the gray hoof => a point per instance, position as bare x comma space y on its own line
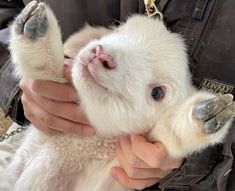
32, 21
215, 113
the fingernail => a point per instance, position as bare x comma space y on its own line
67, 63
88, 131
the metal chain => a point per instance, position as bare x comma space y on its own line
151, 9
8, 135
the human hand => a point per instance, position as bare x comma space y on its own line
142, 163
51, 106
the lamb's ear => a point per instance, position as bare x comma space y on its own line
81, 38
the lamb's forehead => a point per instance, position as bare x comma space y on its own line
150, 38
143, 25
153, 48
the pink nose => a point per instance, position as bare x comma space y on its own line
105, 59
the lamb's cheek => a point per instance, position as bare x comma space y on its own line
78, 71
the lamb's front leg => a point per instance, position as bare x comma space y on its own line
35, 43
202, 120
37, 51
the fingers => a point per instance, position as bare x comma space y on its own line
48, 122
66, 110
126, 146
142, 163
49, 89
53, 90
50, 114
152, 154
134, 172
29, 103
120, 175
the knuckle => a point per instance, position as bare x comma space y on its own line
76, 114
71, 94
36, 86
50, 104
23, 100
48, 120
27, 111
23, 84
72, 129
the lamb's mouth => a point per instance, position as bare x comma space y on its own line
89, 75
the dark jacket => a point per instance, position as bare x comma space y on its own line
208, 27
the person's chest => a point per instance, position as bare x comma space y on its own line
208, 27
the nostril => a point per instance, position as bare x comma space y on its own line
93, 50
99, 50
105, 64
105, 58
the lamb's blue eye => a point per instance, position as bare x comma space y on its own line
157, 93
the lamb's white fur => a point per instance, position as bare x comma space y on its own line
117, 103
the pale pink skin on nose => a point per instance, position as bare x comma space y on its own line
104, 58
95, 62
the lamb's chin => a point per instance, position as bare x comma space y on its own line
108, 123
92, 98
117, 131
82, 75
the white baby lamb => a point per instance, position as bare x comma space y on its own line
132, 79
